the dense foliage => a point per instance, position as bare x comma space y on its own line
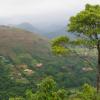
15, 81
86, 25
47, 90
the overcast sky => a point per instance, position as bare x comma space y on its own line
40, 11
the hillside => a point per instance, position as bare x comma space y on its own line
14, 41
26, 58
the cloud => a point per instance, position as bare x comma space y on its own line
40, 11
23, 7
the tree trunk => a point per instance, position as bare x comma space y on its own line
98, 68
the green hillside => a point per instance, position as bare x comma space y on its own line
26, 58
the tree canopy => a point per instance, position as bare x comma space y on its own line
86, 25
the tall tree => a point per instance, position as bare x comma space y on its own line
85, 24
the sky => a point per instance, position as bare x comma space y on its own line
46, 12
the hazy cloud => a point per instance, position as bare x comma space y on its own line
23, 7
40, 10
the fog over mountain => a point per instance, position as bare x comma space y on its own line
46, 16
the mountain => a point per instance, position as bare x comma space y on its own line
20, 53
59, 32
14, 40
50, 31
28, 27
26, 58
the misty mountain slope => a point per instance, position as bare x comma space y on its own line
51, 31
59, 32
28, 27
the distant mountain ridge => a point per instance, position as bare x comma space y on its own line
27, 26
50, 31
